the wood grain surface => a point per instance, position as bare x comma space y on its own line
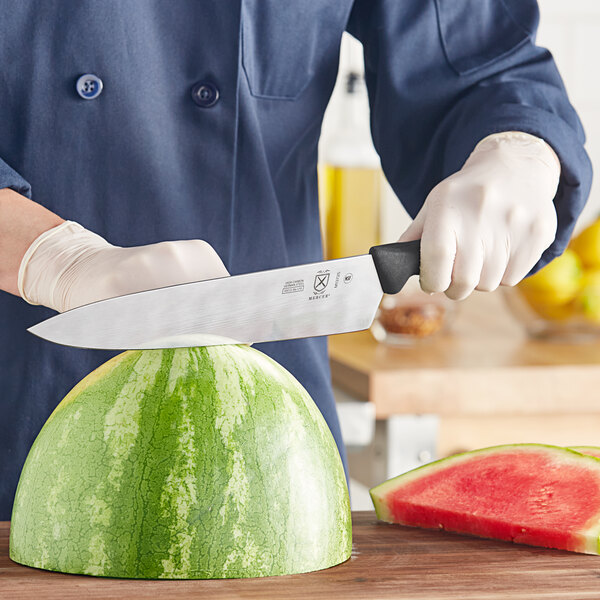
388, 561
485, 366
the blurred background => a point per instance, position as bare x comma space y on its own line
433, 377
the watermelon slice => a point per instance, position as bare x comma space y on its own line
589, 450
525, 493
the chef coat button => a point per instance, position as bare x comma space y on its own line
205, 94
89, 86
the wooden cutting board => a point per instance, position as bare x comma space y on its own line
388, 561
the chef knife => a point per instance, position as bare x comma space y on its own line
323, 298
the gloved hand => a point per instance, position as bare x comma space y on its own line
69, 266
488, 224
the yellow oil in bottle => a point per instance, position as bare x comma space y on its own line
350, 209
350, 177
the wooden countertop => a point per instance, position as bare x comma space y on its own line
485, 366
388, 561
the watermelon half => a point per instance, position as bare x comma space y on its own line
189, 463
525, 493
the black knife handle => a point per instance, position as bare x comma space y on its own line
395, 263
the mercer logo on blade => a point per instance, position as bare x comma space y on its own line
321, 281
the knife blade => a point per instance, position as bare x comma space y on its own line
328, 297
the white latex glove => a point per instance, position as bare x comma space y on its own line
69, 266
488, 224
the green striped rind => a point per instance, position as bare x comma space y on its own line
379, 494
189, 463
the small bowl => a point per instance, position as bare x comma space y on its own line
411, 315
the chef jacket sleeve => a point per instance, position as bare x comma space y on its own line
9, 178
443, 74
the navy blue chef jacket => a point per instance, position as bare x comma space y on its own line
147, 161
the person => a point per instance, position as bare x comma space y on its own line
148, 143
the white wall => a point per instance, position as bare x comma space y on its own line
570, 29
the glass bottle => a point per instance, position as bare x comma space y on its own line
350, 178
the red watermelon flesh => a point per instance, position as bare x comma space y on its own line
526, 493
589, 450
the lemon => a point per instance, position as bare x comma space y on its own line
556, 284
588, 298
587, 245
